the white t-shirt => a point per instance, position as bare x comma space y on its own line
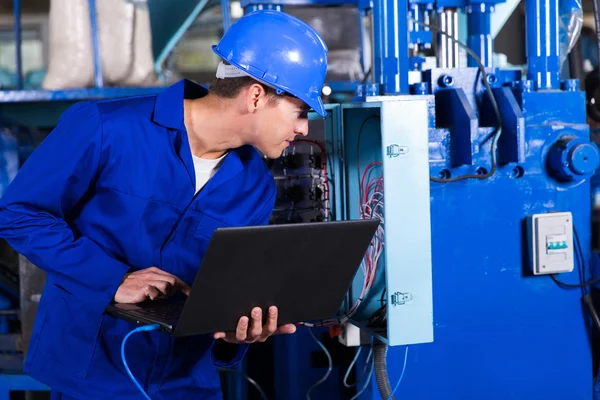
205, 169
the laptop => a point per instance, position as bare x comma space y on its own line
304, 269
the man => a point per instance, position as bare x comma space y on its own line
120, 200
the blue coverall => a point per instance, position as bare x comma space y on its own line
110, 191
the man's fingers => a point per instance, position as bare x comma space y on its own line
241, 331
184, 287
271, 326
251, 330
173, 281
287, 329
151, 292
156, 270
256, 328
156, 274
163, 286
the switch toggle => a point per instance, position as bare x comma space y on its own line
550, 238
556, 244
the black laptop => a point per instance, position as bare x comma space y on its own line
304, 269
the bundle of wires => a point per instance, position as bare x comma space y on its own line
370, 207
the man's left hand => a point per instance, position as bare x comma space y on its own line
255, 331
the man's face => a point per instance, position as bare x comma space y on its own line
277, 125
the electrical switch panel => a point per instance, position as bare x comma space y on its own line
551, 243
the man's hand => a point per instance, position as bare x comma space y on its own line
150, 283
255, 332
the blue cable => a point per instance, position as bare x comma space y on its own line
329, 369
350, 369
401, 375
140, 329
367, 381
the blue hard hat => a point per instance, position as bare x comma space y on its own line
280, 51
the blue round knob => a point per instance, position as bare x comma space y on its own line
573, 159
584, 158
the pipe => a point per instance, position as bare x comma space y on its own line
19, 58
380, 350
226, 14
390, 21
415, 14
158, 63
377, 26
95, 45
480, 36
447, 49
366, 61
542, 35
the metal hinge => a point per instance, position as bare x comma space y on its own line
395, 150
400, 298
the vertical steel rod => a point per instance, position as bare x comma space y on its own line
391, 48
480, 37
541, 18
98, 81
18, 43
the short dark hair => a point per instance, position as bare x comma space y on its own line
229, 88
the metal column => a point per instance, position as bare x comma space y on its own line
480, 37
447, 49
390, 21
542, 43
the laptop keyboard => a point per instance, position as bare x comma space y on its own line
161, 312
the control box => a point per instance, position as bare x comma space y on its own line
550, 238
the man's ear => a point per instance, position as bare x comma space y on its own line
256, 97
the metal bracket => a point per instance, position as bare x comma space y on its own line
400, 298
395, 150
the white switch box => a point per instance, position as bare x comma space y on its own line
551, 242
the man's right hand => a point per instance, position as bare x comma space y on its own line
150, 283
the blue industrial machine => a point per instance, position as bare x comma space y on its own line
472, 287
481, 177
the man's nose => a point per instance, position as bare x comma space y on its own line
302, 127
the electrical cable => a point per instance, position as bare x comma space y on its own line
494, 146
580, 259
573, 285
367, 381
401, 374
136, 330
587, 300
364, 371
582, 263
347, 374
586, 296
252, 381
324, 378
360, 130
371, 204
